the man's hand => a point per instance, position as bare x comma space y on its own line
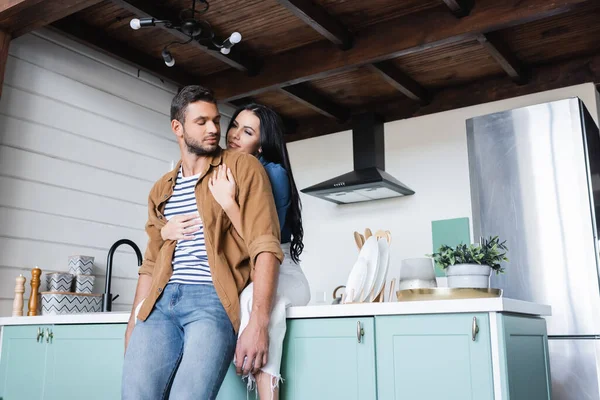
128, 331
181, 227
252, 350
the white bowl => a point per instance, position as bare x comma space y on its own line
417, 268
416, 284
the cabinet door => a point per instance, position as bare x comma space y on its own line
524, 358
85, 362
324, 359
22, 363
434, 357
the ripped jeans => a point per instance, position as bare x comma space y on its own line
292, 291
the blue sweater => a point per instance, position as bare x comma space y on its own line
282, 195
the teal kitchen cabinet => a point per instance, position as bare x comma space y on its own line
84, 361
65, 362
329, 358
478, 356
22, 363
523, 358
434, 357
234, 387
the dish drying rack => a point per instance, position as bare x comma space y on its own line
360, 240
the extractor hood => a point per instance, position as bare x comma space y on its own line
368, 181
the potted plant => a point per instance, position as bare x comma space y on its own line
470, 266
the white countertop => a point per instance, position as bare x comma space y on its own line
500, 304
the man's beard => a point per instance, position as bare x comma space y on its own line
194, 147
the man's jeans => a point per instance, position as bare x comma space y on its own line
182, 350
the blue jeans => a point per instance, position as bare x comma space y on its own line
182, 350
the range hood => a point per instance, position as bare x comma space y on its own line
368, 181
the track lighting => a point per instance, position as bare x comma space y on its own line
195, 29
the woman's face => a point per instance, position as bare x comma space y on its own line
244, 134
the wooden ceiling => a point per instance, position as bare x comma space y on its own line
319, 62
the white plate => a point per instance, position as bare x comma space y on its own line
382, 269
356, 281
370, 254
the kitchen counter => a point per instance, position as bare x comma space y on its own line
379, 349
501, 304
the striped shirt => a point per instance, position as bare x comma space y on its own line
190, 260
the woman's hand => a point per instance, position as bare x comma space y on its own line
222, 186
181, 227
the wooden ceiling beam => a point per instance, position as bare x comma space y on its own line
307, 96
543, 78
146, 9
317, 18
402, 82
18, 17
401, 36
96, 38
459, 8
12, 7
4, 45
504, 57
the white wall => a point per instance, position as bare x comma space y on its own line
429, 154
82, 139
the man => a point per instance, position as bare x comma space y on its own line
196, 265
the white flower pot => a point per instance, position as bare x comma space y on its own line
468, 276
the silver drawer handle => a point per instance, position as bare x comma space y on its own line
40, 334
49, 335
359, 331
474, 329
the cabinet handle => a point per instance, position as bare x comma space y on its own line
359, 331
474, 329
40, 334
49, 335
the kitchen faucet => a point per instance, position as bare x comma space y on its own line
107, 298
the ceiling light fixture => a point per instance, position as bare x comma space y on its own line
196, 29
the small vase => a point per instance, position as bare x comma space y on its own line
468, 276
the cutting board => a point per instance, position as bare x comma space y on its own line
450, 232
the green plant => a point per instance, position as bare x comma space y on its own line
490, 252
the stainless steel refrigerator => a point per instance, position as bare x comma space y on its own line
535, 182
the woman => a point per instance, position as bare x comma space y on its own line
258, 130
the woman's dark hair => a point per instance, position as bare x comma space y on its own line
273, 149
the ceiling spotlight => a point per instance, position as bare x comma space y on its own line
135, 24
169, 60
235, 37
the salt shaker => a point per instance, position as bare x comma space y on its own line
18, 302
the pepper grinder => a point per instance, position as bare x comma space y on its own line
35, 284
18, 302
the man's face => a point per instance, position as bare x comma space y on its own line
201, 130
